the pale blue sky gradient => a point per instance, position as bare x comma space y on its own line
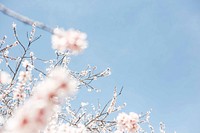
152, 46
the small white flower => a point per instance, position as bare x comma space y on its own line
84, 104
5, 53
27, 64
18, 95
84, 73
31, 54
14, 25
15, 43
24, 76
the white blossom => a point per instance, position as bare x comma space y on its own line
84, 104
72, 40
14, 25
19, 95
5, 78
24, 76
26, 64
127, 122
106, 72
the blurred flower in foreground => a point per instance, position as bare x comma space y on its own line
4, 77
34, 114
66, 128
72, 40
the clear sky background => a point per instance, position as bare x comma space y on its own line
152, 46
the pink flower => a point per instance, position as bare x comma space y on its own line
34, 114
127, 122
59, 83
72, 40
29, 118
19, 95
24, 76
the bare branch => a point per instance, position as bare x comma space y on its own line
5, 10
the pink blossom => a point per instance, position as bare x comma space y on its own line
29, 118
127, 122
24, 76
19, 95
72, 40
34, 114
58, 83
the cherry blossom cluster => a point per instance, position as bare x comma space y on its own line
127, 122
72, 40
23, 78
66, 128
34, 114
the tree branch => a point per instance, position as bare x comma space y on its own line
24, 19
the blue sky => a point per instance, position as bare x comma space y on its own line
152, 47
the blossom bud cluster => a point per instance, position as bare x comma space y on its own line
106, 72
32, 32
23, 78
113, 102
